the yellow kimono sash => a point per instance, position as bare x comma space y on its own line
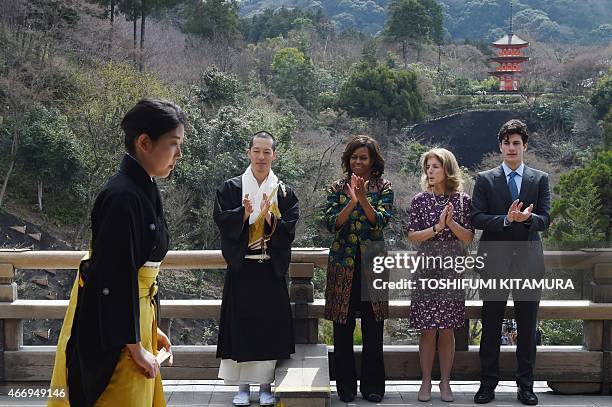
257, 236
128, 386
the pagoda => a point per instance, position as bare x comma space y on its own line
509, 57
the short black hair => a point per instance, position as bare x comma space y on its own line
263, 134
153, 117
513, 126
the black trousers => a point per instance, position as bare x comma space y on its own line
372, 379
526, 315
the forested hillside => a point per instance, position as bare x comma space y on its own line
586, 21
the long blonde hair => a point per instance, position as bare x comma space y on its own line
454, 180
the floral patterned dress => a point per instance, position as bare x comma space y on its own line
349, 241
439, 309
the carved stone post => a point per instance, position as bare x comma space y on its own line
462, 337
11, 337
13, 328
301, 294
165, 325
602, 293
596, 337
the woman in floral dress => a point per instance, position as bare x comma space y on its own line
439, 226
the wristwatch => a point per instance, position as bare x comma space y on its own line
434, 230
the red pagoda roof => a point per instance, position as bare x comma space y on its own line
511, 39
506, 72
504, 59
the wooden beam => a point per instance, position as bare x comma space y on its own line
553, 363
210, 309
579, 309
56, 309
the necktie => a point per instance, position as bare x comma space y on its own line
512, 185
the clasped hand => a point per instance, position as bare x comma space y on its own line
248, 205
446, 217
357, 189
516, 214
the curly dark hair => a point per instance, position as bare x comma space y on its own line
513, 126
378, 163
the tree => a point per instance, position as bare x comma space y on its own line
129, 8
294, 76
411, 153
607, 130
134, 9
10, 138
601, 99
150, 7
213, 18
145, 5
112, 8
104, 94
437, 34
578, 216
556, 114
368, 53
414, 22
561, 333
381, 93
110, 14
30, 32
216, 88
538, 24
40, 22
49, 152
584, 208
602, 34
276, 23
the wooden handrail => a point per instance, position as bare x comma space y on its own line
212, 259
175, 259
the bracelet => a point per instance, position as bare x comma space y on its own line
434, 229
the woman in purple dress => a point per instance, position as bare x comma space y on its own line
439, 226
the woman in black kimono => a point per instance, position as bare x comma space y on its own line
256, 215
109, 338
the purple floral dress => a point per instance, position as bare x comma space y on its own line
440, 309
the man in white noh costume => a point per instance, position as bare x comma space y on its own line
256, 214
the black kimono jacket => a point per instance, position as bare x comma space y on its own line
128, 229
255, 297
229, 217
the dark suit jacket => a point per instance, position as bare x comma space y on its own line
518, 242
228, 215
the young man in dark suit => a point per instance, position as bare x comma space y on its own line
511, 204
